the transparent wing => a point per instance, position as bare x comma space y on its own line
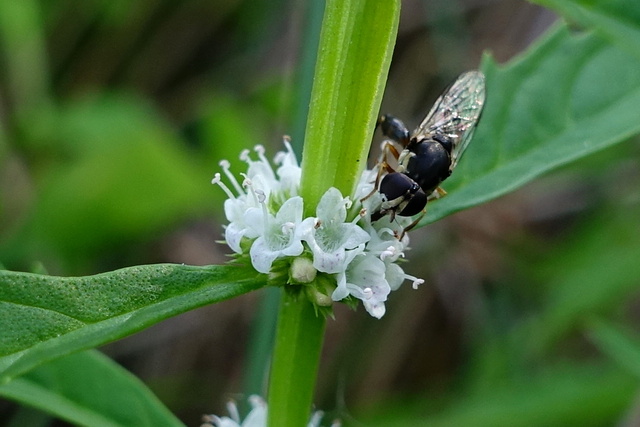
456, 113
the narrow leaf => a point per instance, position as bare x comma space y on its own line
90, 389
619, 344
45, 317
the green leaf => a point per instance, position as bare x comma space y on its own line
618, 20
595, 273
620, 344
559, 396
90, 389
356, 44
117, 174
45, 317
567, 97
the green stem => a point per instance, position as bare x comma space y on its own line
356, 44
296, 356
354, 54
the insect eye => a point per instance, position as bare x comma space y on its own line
416, 204
395, 185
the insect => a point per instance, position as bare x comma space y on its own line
430, 152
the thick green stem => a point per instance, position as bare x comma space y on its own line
354, 54
356, 44
295, 361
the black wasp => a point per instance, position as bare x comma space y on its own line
430, 152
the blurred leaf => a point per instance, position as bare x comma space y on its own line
618, 20
27, 416
313, 12
595, 272
45, 317
618, 343
567, 97
260, 345
90, 389
228, 127
24, 48
115, 173
571, 395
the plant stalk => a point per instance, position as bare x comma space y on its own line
296, 355
354, 55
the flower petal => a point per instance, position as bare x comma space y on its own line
290, 211
394, 275
354, 236
262, 256
331, 208
375, 308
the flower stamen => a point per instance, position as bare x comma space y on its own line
232, 409
416, 281
259, 149
281, 156
244, 156
389, 252
225, 165
217, 180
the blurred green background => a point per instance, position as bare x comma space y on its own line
114, 115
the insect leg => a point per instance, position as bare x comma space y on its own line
388, 147
437, 193
413, 224
383, 166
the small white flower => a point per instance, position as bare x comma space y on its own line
259, 183
266, 213
366, 280
385, 244
384, 240
332, 241
260, 172
278, 235
256, 418
289, 172
235, 207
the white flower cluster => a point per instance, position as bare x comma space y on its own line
256, 418
266, 211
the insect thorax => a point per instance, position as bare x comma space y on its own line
428, 165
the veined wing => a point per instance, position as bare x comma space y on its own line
456, 113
